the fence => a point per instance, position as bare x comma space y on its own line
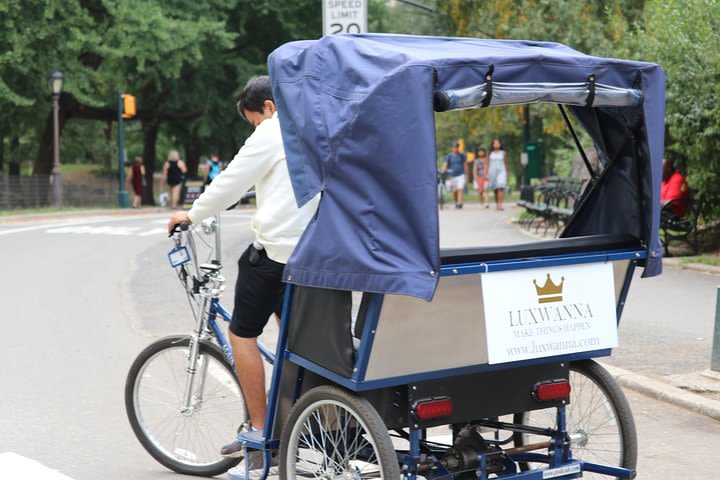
18, 192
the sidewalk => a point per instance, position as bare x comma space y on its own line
698, 391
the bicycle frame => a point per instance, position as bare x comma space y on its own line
206, 325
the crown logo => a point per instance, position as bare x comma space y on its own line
549, 292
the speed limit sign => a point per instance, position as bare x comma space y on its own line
344, 16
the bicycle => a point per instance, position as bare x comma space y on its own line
182, 421
442, 187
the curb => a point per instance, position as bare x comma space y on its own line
663, 391
38, 217
697, 267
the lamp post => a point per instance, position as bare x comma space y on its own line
55, 80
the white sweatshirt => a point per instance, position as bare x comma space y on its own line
278, 223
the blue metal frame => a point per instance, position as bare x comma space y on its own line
550, 261
366, 338
216, 309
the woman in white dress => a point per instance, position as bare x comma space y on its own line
497, 172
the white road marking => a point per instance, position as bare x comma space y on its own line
14, 466
103, 230
67, 223
152, 231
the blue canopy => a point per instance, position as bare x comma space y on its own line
357, 118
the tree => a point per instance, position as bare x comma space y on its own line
185, 61
595, 27
683, 36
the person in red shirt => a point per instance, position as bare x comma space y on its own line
674, 187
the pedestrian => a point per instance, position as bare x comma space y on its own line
674, 193
174, 170
278, 224
455, 164
213, 167
497, 172
480, 168
136, 178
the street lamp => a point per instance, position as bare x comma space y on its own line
55, 81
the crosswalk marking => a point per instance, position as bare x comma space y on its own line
14, 466
102, 230
153, 231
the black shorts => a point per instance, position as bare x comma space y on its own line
258, 293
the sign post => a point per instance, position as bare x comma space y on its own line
344, 16
122, 196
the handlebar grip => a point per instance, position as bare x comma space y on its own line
182, 226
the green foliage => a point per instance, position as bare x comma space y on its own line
185, 61
683, 36
596, 27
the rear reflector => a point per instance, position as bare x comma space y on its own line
436, 408
552, 390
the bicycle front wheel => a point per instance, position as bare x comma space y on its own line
185, 439
598, 415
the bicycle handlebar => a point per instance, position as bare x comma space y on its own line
180, 227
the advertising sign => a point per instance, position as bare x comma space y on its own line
344, 16
543, 312
192, 189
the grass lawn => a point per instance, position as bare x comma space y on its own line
709, 259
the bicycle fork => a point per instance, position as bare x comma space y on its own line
190, 402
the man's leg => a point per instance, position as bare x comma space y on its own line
251, 373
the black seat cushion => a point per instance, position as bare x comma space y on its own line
558, 246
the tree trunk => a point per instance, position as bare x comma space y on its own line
107, 157
150, 133
192, 157
69, 107
44, 159
2, 152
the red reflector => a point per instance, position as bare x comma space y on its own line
552, 391
426, 410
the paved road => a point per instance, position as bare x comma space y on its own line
82, 298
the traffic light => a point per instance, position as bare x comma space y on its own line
128, 105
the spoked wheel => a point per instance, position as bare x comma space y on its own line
333, 434
185, 440
598, 417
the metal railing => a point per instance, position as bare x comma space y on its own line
23, 192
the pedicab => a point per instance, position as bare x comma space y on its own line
397, 358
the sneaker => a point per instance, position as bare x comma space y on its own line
233, 450
254, 462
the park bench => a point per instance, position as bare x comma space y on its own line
549, 204
685, 228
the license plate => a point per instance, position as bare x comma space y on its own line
178, 256
561, 471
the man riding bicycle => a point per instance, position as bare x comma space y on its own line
278, 224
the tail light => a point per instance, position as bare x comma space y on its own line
553, 390
433, 408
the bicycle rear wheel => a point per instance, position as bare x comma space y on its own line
186, 441
598, 413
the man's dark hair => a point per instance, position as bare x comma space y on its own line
253, 96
